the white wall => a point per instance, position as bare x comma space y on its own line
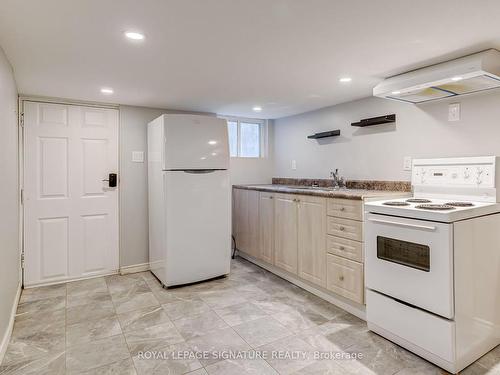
133, 181
9, 219
377, 152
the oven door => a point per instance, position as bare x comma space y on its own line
411, 260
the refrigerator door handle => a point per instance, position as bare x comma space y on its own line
200, 171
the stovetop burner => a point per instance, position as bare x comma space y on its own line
396, 203
418, 200
460, 204
435, 207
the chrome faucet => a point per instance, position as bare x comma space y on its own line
338, 181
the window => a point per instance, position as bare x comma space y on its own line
246, 137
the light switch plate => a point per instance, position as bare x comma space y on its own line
294, 164
407, 163
454, 112
138, 156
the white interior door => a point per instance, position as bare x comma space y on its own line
71, 214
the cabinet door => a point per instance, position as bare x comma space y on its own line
240, 218
266, 227
252, 232
312, 239
345, 277
285, 232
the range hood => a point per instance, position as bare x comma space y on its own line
469, 74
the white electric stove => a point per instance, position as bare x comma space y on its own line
433, 262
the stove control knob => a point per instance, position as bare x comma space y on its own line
454, 175
479, 176
466, 173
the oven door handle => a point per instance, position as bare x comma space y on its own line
425, 227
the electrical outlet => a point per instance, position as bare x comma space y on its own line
294, 164
407, 163
454, 112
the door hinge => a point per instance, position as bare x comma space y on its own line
21, 120
22, 259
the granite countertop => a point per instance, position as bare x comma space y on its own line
359, 194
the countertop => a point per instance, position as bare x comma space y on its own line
357, 194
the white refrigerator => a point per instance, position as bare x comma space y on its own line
189, 198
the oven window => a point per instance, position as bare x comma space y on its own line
405, 253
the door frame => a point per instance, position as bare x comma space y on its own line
21, 168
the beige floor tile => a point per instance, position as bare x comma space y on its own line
183, 309
91, 330
88, 356
261, 331
142, 318
241, 313
199, 325
213, 346
172, 363
288, 355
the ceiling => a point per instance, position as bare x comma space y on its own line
226, 56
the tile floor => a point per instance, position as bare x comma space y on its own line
130, 325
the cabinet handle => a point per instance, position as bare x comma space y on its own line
341, 278
342, 208
342, 228
342, 248
271, 197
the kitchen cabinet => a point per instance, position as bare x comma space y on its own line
246, 221
240, 217
345, 277
285, 232
311, 232
318, 239
266, 227
345, 228
252, 234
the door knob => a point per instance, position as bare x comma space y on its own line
112, 180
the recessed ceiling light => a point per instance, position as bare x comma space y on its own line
214, 154
107, 91
134, 36
345, 79
456, 78
212, 142
396, 92
257, 108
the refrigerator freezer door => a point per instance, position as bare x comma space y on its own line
195, 142
198, 225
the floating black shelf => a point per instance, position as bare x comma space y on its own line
375, 120
331, 133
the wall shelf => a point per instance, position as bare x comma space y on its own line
375, 120
331, 133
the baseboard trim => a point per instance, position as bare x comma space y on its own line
338, 301
142, 267
10, 326
68, 280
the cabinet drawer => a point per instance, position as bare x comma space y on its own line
345, 228
345, 208
345, 248
381, 310
345, 277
